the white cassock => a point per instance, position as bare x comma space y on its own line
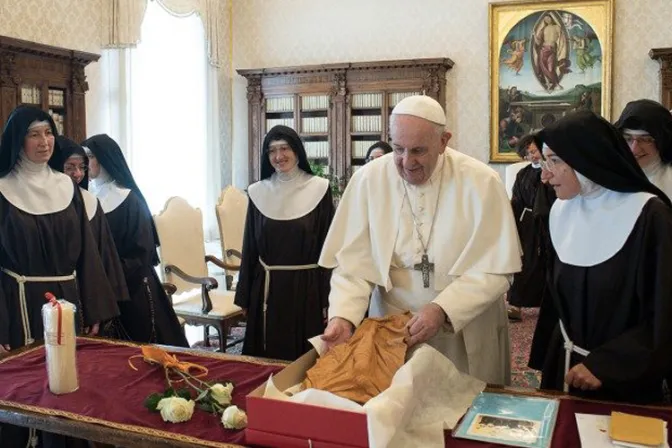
373, 245
660, 175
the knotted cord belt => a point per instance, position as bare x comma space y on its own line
22, 280
569, 348
267, 281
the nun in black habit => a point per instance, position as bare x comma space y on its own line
46, 241
612, 233
149, 316
531, 201
69, 158
280, 286
647, 127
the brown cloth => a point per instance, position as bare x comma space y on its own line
364, 366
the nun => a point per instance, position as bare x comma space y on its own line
71, 159
647, 127
46, 245
611, 231
531, 200
280, 286
149, 316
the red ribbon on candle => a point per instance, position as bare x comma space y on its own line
54, 302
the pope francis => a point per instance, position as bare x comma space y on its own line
430, 230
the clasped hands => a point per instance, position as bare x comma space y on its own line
422, 327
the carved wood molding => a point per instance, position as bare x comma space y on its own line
27, 47
664, 56
254, 94
349, 66
7, 74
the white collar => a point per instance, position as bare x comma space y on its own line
660, 175
37, 189
107, 191
90, 203
591, 228
288, 196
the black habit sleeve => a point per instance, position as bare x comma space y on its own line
4, 319
138, 246
249, 260
98, 300
326, 216
109, 255
517, 202
643, 352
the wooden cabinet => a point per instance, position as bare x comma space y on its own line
47, 77
664, 56
339, 110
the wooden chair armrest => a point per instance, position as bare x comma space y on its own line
169, 288
217, 262
208, 283
234, 253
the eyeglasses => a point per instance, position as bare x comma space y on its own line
551, 163
68, 169
642, 140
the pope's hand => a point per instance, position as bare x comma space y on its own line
4, 348
580, 377
425, 324
337, 332
93, 330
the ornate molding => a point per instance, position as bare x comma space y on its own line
79, 84
339, 90
254, 93
7, 74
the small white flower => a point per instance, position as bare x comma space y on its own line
175, 409
222, 394
234, 418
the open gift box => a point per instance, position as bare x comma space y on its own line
427, 395
275, 423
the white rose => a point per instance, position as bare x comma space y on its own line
175, 409
234, 418
222, 394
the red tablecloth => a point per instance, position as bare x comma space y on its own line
112, 394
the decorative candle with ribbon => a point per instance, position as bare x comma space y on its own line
60, 345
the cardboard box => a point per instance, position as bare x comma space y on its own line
275, 423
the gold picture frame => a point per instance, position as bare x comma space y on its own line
546, 58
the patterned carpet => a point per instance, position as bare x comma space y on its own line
521, 339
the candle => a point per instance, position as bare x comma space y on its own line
58, 317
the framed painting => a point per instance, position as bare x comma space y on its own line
547, 59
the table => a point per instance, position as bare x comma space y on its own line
109, 407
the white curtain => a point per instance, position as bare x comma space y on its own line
172, 111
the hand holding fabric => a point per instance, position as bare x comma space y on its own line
581, 378
4, 348
93, 329
337, 332
425, 324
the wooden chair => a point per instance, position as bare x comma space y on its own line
231, 211
195, 296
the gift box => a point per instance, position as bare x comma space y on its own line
274, 423
427, 396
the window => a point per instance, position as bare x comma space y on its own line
168, 109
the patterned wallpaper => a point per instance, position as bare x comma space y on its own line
293, 32
73, 24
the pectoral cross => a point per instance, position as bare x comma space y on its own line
426, 267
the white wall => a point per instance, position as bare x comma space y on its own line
269, 33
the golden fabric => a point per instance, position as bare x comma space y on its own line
364, 366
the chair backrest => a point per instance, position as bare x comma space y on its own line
511, 172
180, 228
231, 212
